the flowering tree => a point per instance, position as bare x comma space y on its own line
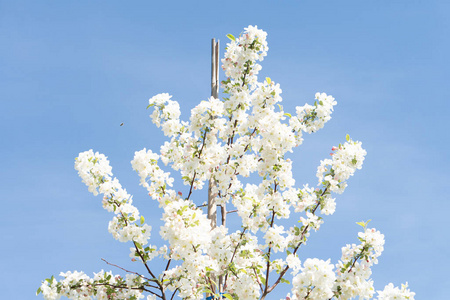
238, 145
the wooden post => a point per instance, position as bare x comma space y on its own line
212, 210
215, 93
212, 207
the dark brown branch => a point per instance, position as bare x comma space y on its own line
195, 172
266, 286
192, 184
163, 296
173, 295
167, 268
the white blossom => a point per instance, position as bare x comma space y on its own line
390, 292
238, 147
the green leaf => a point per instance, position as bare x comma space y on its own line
231, 37
354, 161
363, 224
228, 296
269, 81
38, 291
142, 220
284, 280
280, 107
347, 137
288, 114
50, 280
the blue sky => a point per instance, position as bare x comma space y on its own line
72, 72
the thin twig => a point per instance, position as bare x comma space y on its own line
163, 296
234, 253
257, 279
142, 276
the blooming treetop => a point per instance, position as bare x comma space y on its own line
246, 133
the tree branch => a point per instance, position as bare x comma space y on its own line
127, 270
234, 254
282, 273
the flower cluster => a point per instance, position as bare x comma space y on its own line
237, 146
145, 163
242, 53
166, 113
315, 281
354, 267
92, 168
103, 286
96, 173
391, 292
314, 117
347, 158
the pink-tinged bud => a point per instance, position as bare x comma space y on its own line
180, 193
334, 148
331, 154
133, 259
